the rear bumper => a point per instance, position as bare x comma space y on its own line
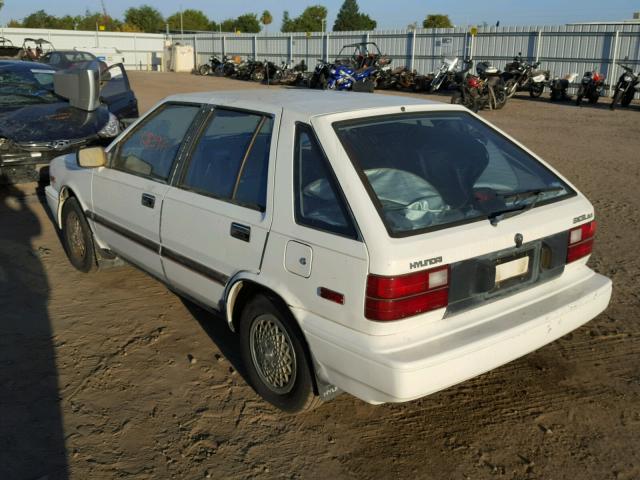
412, 364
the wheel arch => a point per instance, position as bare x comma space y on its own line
241, 290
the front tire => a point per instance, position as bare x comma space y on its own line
77, 238
511, 86
616, 99
275, 356
204, 69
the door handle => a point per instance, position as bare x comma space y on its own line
148, 200
241, 232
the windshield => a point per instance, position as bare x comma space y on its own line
425, 171
23, 93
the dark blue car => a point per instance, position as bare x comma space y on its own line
37, 124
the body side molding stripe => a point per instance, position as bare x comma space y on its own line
125, 232
172, 255
194, 266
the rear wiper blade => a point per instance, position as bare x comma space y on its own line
537, 193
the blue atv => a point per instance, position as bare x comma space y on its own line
359, 71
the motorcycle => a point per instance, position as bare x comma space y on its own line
591, 87
495, 85
559, 86
625, 87
486, 89
444, 75
320, 75
207, 68
522, 76
246, 69
226, 68
400, 78
346, 77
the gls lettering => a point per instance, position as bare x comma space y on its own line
586, 216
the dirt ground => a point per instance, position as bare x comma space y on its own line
110, 375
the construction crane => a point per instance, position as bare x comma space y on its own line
105, 15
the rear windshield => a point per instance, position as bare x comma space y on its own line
426, 171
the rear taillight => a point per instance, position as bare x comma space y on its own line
393, 298
581, 241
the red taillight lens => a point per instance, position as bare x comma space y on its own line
581, 241
393, 298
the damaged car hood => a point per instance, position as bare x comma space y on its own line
50, 122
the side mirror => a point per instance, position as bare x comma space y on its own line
92, 157
81, 87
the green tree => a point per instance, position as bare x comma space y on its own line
14, 23
146, 18
287, 23
266, 19
350, 18
191, 20
437, 20
90, 20
39, 19
309, 21
247, 23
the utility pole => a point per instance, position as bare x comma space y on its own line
181, 23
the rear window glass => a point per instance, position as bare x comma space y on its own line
426, 171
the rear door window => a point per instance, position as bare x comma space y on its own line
230, 159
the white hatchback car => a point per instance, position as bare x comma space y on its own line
383, 246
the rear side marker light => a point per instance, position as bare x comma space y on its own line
581, 241
331, 295
394, 298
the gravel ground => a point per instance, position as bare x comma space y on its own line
110, 375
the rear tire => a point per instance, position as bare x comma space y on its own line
275, 355
77, 237
536, 90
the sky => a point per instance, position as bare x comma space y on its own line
388, 13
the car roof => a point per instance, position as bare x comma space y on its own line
305, 102
72, 51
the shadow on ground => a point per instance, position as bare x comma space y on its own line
31, 435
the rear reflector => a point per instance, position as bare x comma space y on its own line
331, 295
581, 241
394, 298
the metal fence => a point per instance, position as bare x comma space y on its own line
139, 51
560, 49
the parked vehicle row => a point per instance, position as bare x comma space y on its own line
363, 67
